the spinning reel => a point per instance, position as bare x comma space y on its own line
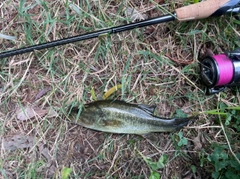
221, 71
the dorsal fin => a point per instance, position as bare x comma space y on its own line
147, 108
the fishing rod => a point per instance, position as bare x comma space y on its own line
199, 10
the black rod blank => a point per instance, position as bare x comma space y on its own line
157, 20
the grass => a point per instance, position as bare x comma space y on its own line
155, 65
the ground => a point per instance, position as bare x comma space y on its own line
156, 65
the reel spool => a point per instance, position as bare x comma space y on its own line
220, 71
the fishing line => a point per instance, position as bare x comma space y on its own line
226, 69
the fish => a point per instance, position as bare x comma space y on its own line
116, 116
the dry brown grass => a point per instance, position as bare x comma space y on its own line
151, 63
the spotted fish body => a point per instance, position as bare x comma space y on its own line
122, 117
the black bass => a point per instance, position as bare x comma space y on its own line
122, 117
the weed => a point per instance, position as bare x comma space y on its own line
225, 165
224, 158
182, 140
154, 166
66, 173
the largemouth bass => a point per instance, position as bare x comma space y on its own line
122, 117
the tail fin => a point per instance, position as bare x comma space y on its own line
181, 122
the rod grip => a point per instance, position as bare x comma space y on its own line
199, 10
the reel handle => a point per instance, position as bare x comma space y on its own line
204, 9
